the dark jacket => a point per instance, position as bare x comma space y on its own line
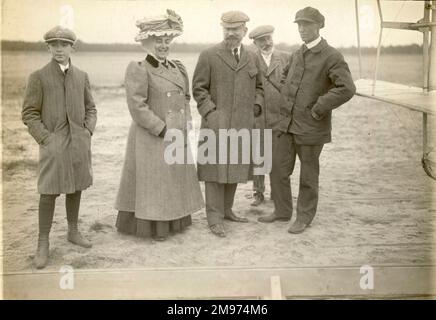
315, 82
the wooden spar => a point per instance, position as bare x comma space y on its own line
426, 76
430, 73
356, 6
425, 47
406, 25
421, 100
432, 68
378, 45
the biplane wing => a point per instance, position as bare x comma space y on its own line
413, 98
409, 97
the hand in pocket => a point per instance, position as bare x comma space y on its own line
47, 140
174, 120
212, 120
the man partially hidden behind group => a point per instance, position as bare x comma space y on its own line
316, 81
228, 90
271, 63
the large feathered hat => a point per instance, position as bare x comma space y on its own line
169, 24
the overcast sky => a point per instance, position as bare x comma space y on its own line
113, 21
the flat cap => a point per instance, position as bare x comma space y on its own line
261, 31
60, 33
311, 15
234, 19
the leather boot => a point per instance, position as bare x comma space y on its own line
41, 256
75, 237
259, 198
297, 227
272, 217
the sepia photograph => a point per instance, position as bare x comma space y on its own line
218, 149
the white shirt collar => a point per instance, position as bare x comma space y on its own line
63, 68
267, 57
313, 43
239, 50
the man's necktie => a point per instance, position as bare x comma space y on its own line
236, 54
165, 63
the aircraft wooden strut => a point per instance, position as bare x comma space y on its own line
413, 98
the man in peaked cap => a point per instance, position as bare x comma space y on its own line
227, 87
60, 113
272, 63
316, 81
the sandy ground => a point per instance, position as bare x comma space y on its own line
374, 207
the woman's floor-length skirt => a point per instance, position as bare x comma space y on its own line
127, 223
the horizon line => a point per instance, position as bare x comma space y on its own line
203, 44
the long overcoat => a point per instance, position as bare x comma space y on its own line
228, 90
60, 114
150, 186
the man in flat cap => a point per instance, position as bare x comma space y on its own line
271, 62
227, 87
60, 113
316, 81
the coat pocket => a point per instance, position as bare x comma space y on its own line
48, 140
83, 141
310, 115
176, 119
212, 120
48, 153
49, 147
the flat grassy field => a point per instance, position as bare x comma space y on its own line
374, 207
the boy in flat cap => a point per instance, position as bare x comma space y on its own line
271, 62
227, 87
316, 81
60, 113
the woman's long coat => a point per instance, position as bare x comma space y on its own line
150, 187
60, 114
231, 89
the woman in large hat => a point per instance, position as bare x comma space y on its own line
156, 198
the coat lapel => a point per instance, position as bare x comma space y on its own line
274, 63
227, 56
56, 69
169, 74
244, 58
263, 66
